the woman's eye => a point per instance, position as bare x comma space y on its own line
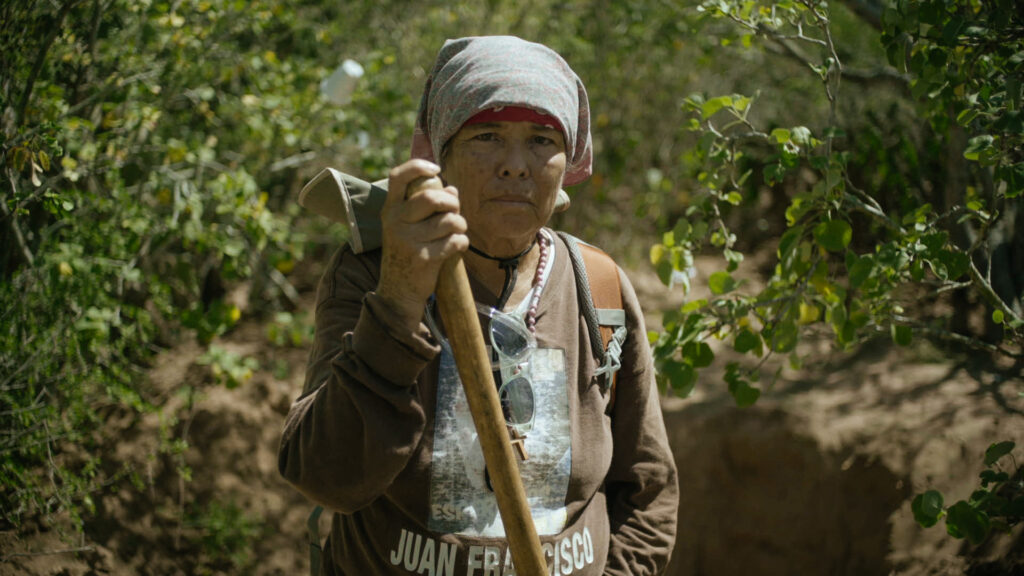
486, 137
543, 140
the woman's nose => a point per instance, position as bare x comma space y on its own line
514, 163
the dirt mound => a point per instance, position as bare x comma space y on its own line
817, 478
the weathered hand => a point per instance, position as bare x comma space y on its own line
418, 234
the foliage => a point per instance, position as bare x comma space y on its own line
997, 505
148, 151
289, 329
853, 254
225, 534
228, 369
859, 251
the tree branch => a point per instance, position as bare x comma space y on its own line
19, 238
948, 336
990, 295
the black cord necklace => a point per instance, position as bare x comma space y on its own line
511, 268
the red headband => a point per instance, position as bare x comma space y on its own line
514, 114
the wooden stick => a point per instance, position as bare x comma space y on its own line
458, 311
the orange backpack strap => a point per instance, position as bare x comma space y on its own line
600, 299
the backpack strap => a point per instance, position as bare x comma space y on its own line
600, 300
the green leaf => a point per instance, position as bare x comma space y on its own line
901, 335
962, 520
801, 135
721, 282
713, 105
744, 394
991, 477
966, 116
664, 269
657, 253
997, 451
957, 263
784, 337
668, 239
747, 341
789, 241
699, 354
834, 235
781, 135
998, 316
861, 270
927, 508
682, 230
693, 305
774, 172
681, 376
977, 145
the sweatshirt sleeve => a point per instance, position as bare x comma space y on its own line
642, 485
359, 418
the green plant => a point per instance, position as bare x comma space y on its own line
997, 505
146, 154
846, 260
289, 329
228, 368
226, 535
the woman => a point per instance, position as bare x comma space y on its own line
382, 434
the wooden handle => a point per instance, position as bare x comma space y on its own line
458, 311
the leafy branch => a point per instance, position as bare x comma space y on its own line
996, 506
819, 277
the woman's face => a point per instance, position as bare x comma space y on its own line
508, 175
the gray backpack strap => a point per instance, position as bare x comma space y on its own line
315, 548
601, 306
586, 301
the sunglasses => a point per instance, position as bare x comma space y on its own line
514, 344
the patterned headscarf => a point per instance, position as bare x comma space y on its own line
481, 73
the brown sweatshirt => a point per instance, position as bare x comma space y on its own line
383, 437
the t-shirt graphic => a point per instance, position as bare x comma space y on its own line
460, 501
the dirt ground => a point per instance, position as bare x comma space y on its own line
816, 479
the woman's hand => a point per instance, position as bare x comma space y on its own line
418, 234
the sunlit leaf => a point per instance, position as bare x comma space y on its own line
721, 282
657, 253
710, 107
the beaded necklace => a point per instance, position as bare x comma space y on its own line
511, 267
539, 278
